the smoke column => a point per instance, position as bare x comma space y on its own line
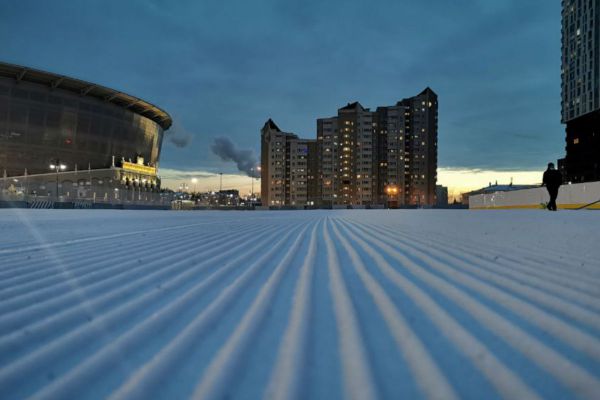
245, 159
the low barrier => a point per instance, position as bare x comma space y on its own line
13, 204
79, 204
39, 204
570, 196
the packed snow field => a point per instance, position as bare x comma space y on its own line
307, 305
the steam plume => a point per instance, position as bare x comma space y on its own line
245, 159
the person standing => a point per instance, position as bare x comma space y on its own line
552, 180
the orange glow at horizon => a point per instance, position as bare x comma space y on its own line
458, 180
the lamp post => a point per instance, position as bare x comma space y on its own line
252, 181
258, 177
57, 166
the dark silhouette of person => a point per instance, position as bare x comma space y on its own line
552, 180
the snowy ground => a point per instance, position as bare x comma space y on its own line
306, 305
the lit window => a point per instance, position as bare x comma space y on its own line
576, 141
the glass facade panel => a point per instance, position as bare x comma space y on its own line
39, 124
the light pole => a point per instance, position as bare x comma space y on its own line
258, 177
194, 181
252, 180
220, 181
57, 166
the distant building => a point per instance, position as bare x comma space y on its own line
386, 156
581, 88
441, 194
361, 157
230, 197
284, 167
347, 156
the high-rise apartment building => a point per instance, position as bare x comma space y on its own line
581, 88
361, 157
284, 167
346, 156
407, 157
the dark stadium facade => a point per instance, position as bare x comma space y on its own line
46, 117
66, 143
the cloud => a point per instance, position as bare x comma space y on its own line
178, 135
495, 66
169, 173
203, 181
245, 159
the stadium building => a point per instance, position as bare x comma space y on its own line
66, 138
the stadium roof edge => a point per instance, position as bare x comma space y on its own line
84, 88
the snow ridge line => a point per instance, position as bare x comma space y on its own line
285, 378
542, 261
501, 377
146, 380
358, 382
571, 375
52, 325
569, 335
94, 238
429, 377
93, 272
111, 356
27, 307
221, 370
536, 273
19, 265
516, 259
76, 259
488, 272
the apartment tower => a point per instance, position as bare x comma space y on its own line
387, 156
580, 89
284, 167
360, 158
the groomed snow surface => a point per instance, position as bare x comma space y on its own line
301, 304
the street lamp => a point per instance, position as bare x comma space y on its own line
392, 192
57, 166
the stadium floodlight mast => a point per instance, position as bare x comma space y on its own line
194, 181
57, 166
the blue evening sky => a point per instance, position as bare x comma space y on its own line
221, 68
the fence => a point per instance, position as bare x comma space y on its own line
571, 196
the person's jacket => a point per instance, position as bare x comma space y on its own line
552, 178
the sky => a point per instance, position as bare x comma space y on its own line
222, 68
